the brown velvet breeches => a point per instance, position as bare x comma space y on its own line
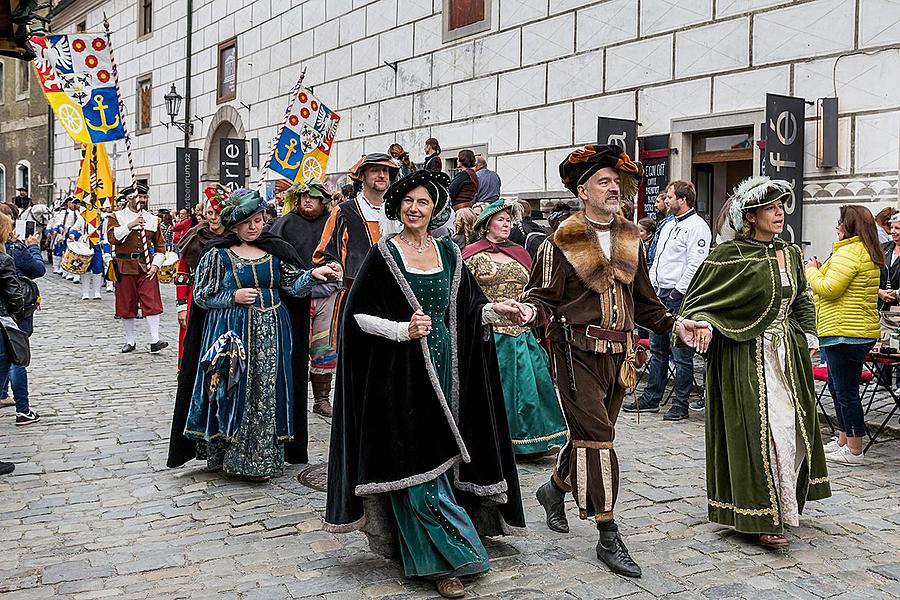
587, 465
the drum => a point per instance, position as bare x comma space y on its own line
168, 269
77, 257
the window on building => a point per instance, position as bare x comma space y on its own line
23, 175
144, 103
23, 76
145, 17
451, 162
2, 183
465, 17
227, 71
81, 27
2, 83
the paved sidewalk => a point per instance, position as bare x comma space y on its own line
92, 512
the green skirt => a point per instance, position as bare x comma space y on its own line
435, 535
536, 422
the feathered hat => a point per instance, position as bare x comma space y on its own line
753, 192
215, 196
580, 164
312, 186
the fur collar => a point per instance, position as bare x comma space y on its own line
578, 242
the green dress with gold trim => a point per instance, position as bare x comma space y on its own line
536, 422
764, 453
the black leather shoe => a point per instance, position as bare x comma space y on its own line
127, 348
554, 503
675, 414
158, 346
6, 468
644, 405
612, 551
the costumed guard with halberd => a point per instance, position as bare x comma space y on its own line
303, 220
137, 288
190, 249
590, 283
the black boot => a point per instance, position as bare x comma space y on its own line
612, 551
554, 503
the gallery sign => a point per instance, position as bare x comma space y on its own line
232, 163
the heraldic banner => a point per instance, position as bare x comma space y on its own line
76, 74
305, 141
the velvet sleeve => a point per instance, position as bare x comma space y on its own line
329, 248
803, 309
214, 286
546, 285
295, 281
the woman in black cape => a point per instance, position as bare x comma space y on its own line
421, 458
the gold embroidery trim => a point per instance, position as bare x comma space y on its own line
753, 512
544, 438
818, 480
764, 432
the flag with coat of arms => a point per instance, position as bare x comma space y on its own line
305, 142
76, 74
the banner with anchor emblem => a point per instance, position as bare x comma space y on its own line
76, 74
305, 142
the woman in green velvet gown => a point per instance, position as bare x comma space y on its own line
764, 453
435, 536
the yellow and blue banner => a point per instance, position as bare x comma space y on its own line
76, 74
305, 142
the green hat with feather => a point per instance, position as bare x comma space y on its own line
312, 186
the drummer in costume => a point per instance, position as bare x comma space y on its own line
92, 279
590, 283
302, 222
74, 234
191, 248
501, 268
137, 289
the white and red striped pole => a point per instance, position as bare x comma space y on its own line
115, 69
287, 112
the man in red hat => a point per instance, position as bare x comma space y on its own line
137, 289
590, 283
190, 248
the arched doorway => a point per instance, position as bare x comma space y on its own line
226, 123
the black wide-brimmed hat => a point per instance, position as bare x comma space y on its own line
580, 164
127, 192
435, 183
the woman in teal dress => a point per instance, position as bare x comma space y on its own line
241, 407
421, 458
502, 268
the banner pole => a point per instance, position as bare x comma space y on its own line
115, 69
287, 111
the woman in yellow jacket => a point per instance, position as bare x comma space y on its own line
846, 289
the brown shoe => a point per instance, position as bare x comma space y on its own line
8, 401
450, 587
322, 407
773, 541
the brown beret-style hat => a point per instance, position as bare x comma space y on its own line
580, 164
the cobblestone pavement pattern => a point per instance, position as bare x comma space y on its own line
92, 512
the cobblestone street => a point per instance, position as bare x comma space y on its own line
91, 511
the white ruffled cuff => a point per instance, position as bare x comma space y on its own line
812, 341
488, 316
397, 331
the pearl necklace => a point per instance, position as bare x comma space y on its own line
420, 248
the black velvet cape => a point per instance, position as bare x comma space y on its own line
182, 449
393, 428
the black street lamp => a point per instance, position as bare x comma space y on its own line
173, 106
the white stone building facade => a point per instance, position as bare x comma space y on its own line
527, 87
